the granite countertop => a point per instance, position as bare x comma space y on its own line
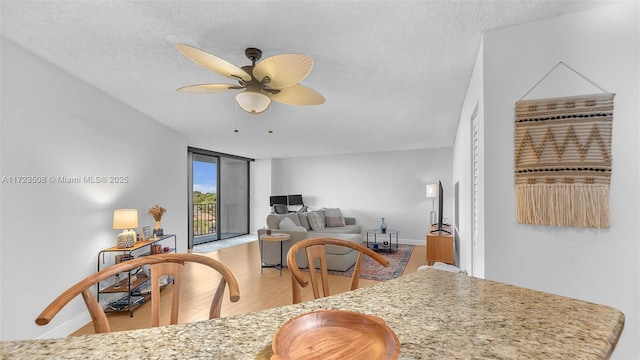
436, 315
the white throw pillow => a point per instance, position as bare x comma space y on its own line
315, 221
287, 224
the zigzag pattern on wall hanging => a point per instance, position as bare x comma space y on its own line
562, 160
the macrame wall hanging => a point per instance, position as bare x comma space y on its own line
562, 159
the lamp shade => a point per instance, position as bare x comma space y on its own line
125, 219
252, 101
432, 190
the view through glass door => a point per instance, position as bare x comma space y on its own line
218, 196
204, 197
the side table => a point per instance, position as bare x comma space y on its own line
273, 237
381, 246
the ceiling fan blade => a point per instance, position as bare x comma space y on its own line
298, 95
208, 88
213, 62
283, 70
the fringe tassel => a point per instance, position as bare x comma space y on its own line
582, 205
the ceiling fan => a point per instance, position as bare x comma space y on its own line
274, 78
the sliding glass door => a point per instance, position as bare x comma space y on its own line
234, 197
218, 196
204, 195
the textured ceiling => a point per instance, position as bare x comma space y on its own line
394, 73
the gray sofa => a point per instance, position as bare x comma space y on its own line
339, 258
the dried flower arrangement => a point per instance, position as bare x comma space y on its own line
157, 212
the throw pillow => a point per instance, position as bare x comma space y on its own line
287, 224
334, 221
334, 213
315, 221
304, 222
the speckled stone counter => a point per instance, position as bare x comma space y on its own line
436, 315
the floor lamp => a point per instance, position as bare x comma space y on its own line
432, 192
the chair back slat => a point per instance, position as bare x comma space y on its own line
316, 252
157, 271
160, 264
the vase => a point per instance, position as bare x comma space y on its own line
157, 230
383, 226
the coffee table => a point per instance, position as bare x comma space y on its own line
384, 244
273, 237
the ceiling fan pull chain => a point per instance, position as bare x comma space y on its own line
236, 129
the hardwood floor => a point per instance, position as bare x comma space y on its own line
258, 291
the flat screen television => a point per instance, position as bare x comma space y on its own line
278, 199
441, 223
295, 199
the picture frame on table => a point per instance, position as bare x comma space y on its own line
146, 233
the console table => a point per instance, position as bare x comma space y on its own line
130, 299
440, 247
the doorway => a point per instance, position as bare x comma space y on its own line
218, 196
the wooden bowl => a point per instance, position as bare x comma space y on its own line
335, 334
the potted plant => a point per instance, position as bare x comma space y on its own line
156, 212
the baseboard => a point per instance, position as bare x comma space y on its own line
67, 328
422, 242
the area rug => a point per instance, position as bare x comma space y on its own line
372, 270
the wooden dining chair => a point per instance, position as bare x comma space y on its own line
160, 264
315, 250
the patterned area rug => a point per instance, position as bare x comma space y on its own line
373, 271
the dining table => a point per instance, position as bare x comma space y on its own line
435, 314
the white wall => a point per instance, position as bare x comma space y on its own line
600, 266
234, 181
371, 186
462, 173
260, 183
56, 125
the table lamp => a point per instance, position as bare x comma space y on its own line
432, 192
126, 220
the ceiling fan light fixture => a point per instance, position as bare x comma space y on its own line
274, 78
253, 102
